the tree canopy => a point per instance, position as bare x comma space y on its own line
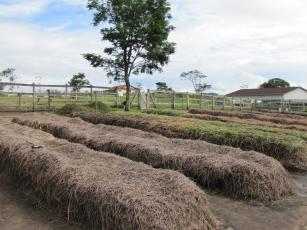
137, 32
162, 86
78, 81
197, 79
275, 83
7, 74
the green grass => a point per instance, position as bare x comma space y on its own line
12, 102
235, 126
92, 107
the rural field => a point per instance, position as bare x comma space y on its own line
155, 169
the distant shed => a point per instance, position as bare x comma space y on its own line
271, 94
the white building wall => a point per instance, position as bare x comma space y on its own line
261, 98
297, 94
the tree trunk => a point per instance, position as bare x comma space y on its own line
128, 90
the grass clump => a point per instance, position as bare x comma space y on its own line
172, 113
73, 108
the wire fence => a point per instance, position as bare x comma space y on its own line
42, 97
186, 101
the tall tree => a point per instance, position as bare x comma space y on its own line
162, 86
137, 31
8, 74
78, 81
275, 83
197, 79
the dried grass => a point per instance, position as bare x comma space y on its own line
256, 116
100, 189
249, 121
238, 174
289, 150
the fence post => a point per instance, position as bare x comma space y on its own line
201, 101
66, 93
304, 108
117, 99
139, 99
19, 102
95, 101
240, 104
290, 106
148, 99
91, 93
188, 101
224, 101
232, 104
212, 102
174, 100
49, 102
33, 99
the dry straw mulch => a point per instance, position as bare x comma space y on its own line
100, 189
244, 121
239, 174
257, 116
289, 150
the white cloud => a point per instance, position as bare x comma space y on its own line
24, 8
54, 55
235, 43
27, 8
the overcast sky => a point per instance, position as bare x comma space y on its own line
234, 42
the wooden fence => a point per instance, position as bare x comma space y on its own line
42, 97
186, 101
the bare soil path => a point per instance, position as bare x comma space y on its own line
18, 213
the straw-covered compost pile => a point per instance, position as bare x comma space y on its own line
244, 121
289, 150
239, 174
100, 189
257, 116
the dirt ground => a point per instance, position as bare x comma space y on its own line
18, 213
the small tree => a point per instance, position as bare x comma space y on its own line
77, 82
203, 87
197, 78
275, 83
162, 86
137, 31
9, 75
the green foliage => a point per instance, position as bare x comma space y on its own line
101, 107
196, 77
275, 83
162, 86
9, 75
172, 113
73, 108
137, 31
203, 87
78, 81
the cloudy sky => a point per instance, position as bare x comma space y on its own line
234, 42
